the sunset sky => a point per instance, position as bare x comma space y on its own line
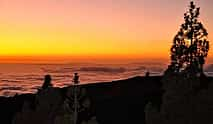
93, 28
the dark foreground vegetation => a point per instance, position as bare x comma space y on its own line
115, 102
134, 100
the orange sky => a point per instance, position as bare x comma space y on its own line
38, 30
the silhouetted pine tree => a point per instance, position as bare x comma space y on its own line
190, 45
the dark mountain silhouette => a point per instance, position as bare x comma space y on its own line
114, 102
123, 101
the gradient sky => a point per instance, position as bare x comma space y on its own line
98, 28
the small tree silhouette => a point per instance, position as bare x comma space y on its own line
190, 45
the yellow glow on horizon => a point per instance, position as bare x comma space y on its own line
99, 29
24, 40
